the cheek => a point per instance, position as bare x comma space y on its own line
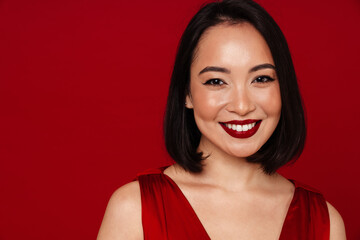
207, 104
270, 101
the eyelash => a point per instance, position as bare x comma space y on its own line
260, 79
214, 82
219, 82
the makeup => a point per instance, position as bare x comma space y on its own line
242, 94
241, 128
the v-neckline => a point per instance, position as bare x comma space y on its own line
197, 219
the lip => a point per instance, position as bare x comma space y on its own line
241, 134
242, 122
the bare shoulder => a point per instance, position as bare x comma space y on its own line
337, 227
122, 219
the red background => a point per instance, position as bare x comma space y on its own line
83, 86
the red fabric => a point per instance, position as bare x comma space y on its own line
167, 214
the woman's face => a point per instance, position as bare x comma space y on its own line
234, 90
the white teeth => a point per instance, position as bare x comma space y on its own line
240, 128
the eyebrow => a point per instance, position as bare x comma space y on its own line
225, 70
214, 69
262, 66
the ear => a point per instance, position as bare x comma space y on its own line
188, 102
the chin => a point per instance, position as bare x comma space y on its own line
242, 153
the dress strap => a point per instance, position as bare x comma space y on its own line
152, 209
307, 217
166, 213
150, 171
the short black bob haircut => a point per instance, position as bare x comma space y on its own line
182, 136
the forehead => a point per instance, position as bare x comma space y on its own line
232, 44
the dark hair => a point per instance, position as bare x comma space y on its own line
182, 136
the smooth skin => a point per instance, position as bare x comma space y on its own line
229, 192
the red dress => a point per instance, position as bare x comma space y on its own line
167, 214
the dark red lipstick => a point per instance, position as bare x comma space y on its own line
241, 134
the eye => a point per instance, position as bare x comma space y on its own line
263, 79
214, 82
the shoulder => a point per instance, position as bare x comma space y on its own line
304, 186
337, 227
122, 219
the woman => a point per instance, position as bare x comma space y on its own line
234, 116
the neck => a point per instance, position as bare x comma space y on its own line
229, 172
232, 172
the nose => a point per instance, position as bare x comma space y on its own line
240, 102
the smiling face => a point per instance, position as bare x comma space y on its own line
234, 90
